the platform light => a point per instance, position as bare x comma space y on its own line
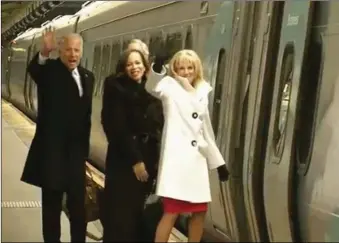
52, 4
42, 8
21, 24
26, 21
36, 13
16, 49
30, 17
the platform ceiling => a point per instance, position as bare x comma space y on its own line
17, 16
10, 8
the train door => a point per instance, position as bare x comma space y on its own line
244, 202
216, 51
279, 168
316, 133
256, 97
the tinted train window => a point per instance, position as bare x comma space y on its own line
144, 39
96, 63
106, 51
34, 51
285, 84
116, 49
105, 60
32, 91
86, 63
125, 44
189, 39
174, 43
155, 44
221, 68
27, 76
307, 104
9, 69
204, 8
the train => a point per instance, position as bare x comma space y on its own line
274, 69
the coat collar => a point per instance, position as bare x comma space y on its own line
81, 70
201, 90
127, 85
84, 75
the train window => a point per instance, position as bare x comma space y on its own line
33, 91
307, 104
125, 44
105, 63
221, 68
29, 81
86, 63
34, 51
174, 42
105, 60
144, 39
285, 84
27, 76
155, 44
204, 8
189, 39
116, 48
96, 61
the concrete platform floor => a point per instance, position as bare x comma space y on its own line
21, 203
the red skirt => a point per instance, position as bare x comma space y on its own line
177, 206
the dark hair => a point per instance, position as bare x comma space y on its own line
120, 69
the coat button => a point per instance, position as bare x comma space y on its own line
195, 115
194, 143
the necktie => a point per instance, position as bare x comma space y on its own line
76, 77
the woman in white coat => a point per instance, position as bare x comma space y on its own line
188, 148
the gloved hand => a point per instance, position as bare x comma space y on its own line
223, 173
159, 62
160, 58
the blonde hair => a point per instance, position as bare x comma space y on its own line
143, 47
191, 57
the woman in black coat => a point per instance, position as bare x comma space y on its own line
132, 120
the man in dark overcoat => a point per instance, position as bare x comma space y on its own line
56, 158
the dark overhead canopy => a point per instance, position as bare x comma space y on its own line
47, 10
8, 9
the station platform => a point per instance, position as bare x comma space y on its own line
21, 203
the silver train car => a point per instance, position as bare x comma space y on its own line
274, 69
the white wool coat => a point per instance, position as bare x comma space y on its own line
188, 148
